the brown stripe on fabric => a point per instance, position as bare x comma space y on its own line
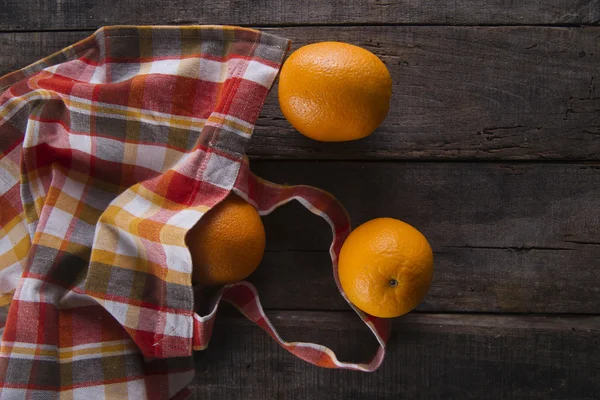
113, 367
41, 373
55, 110
110, 126
66, 374
132, 263
272, 48
98, 278
64, 269
146, 49
80, 250
166, 46
166, 133
140, 286
12, 130
128, 44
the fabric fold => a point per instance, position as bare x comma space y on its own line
111, 149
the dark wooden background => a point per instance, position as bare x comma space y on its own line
491, 149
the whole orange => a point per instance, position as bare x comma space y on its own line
333, 92
227, 244
385, 267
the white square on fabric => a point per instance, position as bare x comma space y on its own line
212, 71
88, 392
221, 171
138, 206
30, 290
58, 223
7, 179
178, 325
73, 188
185, 219
260, 73
11, 238
99, 75
127, 244
137, 389
165, 67
80, 142
11, 276
119, 311
178, 258
6, 243
151, 157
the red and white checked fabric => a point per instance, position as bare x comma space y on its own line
110, 150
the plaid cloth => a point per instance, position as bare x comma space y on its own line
110, 150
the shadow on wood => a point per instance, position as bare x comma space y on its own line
445, 356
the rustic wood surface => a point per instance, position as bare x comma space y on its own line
459, 92
431, 356
503, 234
17, 15
491, 149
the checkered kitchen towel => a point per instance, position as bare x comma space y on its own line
110, 150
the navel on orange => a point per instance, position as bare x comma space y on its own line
227, 244
386, 267
333, 92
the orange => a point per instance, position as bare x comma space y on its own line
333, 92
227, 244
385, 267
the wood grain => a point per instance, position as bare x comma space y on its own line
465, 93
516, 237
466, 280
90, 14
459, 92
429, 357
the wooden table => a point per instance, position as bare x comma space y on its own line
491, 149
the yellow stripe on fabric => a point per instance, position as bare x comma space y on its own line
54, 242
16, 254
10, 106
110, 215
56, 198
21, 249
68, 204
133, 264
69, 354
29, 351
7, 228
6, 299
219, 120
33, 210
136, 114
128, 113
146, 228
48, 240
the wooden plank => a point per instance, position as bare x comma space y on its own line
89, 14
466, 280
429, 357
459, 92
517, 237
